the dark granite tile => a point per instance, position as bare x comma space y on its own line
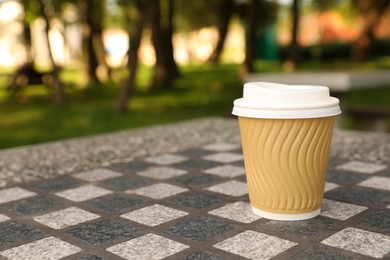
360, 195
238, 150
15, 232
196, 200
89, 257
241, 178
377, 220
196, 165
103, 231
116, 202
344, 178
57, 184
123, 183
199, 229
203, 255
308, 229
195, 152
322, 253
197, 180
130, 167
33, 205
334, 162
238, 163
385, 173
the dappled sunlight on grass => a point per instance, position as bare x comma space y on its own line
73, 76
20, 117
384, 63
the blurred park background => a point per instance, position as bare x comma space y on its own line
79, 67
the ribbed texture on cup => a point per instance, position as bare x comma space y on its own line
286, 162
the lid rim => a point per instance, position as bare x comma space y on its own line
330, 103
287, 113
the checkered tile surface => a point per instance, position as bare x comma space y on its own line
191, 204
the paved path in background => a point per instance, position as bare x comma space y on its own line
337, 81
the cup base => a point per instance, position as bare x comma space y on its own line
285, 217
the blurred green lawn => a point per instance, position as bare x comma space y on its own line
206, 90
201, 91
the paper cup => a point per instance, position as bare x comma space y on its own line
286, 150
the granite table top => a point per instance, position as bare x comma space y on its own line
179, 191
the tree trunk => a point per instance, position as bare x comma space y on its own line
226, 11
251, 38
27, 42
135, 36
90, 32
371, 11
56, 84
294, 46
166, 69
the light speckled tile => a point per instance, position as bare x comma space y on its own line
159, 191
360, 241
330, 186
166, 159
362, 167
226, 171
83, 193
232, 188
3, 218
255, 245
340, 210
149, 246
16, 193
238, 211
97, 175
154, 215
221, 147
49, 248
224, 157
161, 173
65, 218
382, 183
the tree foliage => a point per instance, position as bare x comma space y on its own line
371, 11
194, 15
162, 18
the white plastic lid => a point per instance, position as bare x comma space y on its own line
271, 100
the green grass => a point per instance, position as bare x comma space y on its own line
201, 91
207, 90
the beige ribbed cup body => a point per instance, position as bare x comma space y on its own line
286, 163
